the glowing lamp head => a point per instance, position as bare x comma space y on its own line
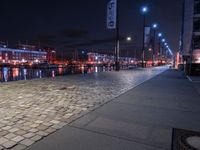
163, 40
144, 9
159, 34
155, 25
129, 38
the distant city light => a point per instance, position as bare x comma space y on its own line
163, 40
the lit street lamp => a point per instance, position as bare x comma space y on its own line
160, 47
128, 38
144, 12
154, 42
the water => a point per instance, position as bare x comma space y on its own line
14, 74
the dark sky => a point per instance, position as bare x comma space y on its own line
71, 24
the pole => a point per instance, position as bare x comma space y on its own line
117, 64
144, 22
154, 47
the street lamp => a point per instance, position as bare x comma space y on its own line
154, 42
163, 40
160, 48
144, 12
159, 35
128, 38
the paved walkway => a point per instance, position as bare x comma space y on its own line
31, 110
140, 119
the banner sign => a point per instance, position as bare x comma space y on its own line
147, 36
112, 14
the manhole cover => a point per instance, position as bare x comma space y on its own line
194, 141
185, 140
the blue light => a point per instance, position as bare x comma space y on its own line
144, 9
159, 34
155, 25
163, 40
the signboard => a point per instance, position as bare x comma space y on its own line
147, 36
111, 14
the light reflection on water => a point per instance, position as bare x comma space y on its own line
14, 74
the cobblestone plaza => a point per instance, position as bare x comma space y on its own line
31, 110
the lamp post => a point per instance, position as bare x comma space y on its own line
160, 49
144, 12
128, 39
154, 42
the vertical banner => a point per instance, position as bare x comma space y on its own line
112, 14
147, 37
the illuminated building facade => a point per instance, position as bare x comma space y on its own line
13, 56
51, 54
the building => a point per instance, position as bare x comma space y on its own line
51, 54
17, 56
190, 39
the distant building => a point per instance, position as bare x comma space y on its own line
14, 56
190, 40
51, 54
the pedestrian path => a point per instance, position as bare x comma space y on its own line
31, 110
140, 119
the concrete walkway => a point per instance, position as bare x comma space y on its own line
141, 119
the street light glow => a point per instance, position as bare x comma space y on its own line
144, 9
163, 40
128, 38
159, 34
155, 25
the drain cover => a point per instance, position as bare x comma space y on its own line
185, 140
194, 141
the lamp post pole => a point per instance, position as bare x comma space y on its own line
154, 44
144, 11
143, 41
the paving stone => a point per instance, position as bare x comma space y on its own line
21, 132
42, 127
9, 144
13, 130
19, 147
33, 130
10, 136
42, 133
29, 135
27, 142
18, 138
36, 138
2, 133
3, 140
6, 127
50, 130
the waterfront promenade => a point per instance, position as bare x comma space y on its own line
140, 119
32, 110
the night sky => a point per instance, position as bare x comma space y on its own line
81, 24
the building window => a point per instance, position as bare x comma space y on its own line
196, 25
196, 42
197, 7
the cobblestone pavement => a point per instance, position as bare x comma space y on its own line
31, 110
